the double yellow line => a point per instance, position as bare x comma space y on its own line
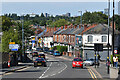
92, 74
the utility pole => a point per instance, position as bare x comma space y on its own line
108, 36
23, 54
113, 32
80, 17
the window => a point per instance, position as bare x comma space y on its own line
55, 37
90, 38
104, 38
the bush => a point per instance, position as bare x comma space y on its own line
61, 49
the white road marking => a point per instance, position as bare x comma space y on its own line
46, 70
63, 69
38, 67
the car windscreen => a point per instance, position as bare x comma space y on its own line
77, 59
39, 59
35, 52
41, 54
88, 60
57, 52
51, 51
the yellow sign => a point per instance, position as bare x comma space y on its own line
39, 41
11, 42
33, 38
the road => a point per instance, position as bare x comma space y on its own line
57, 67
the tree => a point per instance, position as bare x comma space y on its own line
7, 36
6, 23
59, 23
42, 15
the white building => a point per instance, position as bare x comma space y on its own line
97, 34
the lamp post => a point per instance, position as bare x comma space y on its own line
81, 16
108, 35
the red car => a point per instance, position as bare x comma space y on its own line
77, 62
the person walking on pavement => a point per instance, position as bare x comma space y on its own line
115, 59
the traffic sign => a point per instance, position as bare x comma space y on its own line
13, 46
14, 49
115, 51
11, 42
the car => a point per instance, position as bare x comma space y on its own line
41, 55
39, 49
89, 62
28, 51
45, 49
40, 62
51, 52
77, 62
56, 53
35, 54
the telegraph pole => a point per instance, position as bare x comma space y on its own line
113, 32
108, 35
23, 54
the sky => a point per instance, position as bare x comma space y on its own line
57, 0
54, 8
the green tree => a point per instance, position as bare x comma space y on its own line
6, 23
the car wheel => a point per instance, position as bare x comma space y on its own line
45, 65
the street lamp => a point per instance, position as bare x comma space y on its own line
81, 16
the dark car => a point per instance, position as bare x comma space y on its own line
45, 49
41, 55
39, 49
51, 52
35, 54
40, 62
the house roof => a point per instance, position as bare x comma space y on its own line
100, 29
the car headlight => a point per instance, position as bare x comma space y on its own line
73, 63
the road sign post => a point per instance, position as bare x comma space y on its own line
115, 51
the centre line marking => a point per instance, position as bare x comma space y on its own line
46, 70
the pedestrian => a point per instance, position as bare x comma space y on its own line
115, 59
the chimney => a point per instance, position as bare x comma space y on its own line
65, 26
111, 25
75, 26
62, 27
47, 29
85, 26
80, 26
55, 28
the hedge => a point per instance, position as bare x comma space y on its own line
61, 49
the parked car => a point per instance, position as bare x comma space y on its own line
77, 62
39, 49
56, 53
35, 54
45, 49
89, 62
41, 55
40, 62
28, 51
51, 52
